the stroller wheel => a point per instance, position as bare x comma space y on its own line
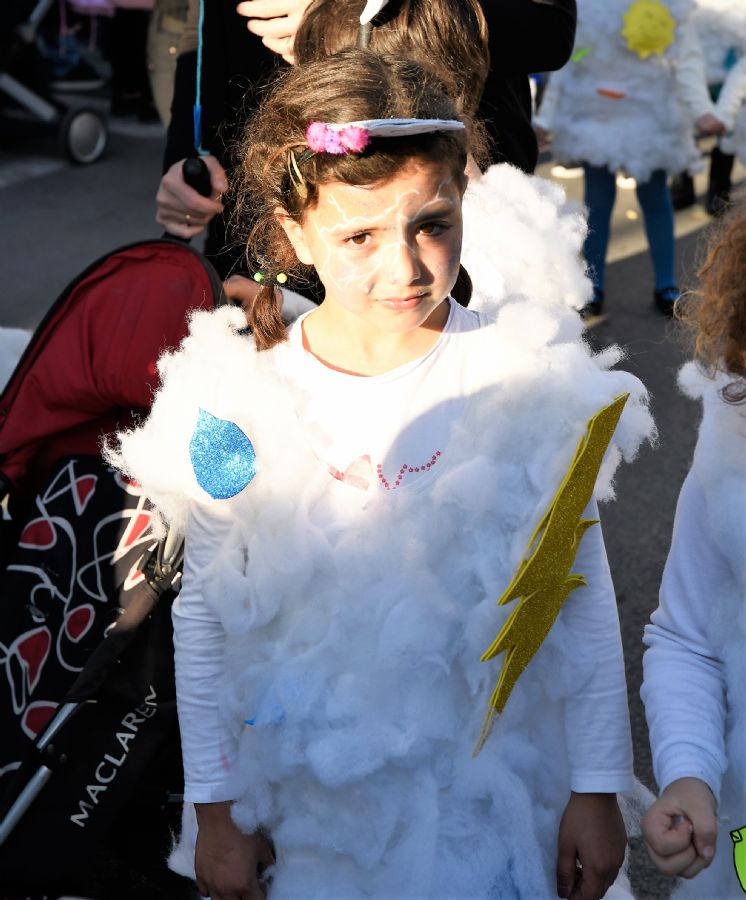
83, 135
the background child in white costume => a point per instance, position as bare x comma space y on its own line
694, 667
629, 100
721, 27
337, 600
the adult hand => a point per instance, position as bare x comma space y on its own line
709, 124
275, 22
680, 828
591, 846
180, 209
228, 862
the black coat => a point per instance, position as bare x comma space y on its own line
526, 36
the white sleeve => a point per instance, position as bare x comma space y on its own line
207, 749
691, 75
597, 720
544, 117
683, 687
733, 94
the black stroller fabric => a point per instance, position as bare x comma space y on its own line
80, 623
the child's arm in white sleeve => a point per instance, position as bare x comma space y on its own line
691, 75
683, 689
207, 749
732, 95
597, 720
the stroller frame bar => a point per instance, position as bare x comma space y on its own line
35, 784
27, 31
64, 713
35, 104
23, 801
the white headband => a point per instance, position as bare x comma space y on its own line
372, 8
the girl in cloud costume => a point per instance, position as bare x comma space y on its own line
628, 100
337, 602
628, 97
694, 667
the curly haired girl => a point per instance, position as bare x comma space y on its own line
695, 664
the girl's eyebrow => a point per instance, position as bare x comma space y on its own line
439, 210
434, 211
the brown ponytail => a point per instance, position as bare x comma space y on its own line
265, 317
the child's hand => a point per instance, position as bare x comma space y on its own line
591, 846
228, 862
543, 137
680, 828
709, 124
242, 290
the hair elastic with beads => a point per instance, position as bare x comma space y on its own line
281, 278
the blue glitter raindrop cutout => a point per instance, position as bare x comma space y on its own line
223, 458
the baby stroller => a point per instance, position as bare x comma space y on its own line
52, 80
90, 756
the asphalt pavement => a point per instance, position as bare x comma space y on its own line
58, 218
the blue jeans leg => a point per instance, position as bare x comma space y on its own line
600, 193
657, 210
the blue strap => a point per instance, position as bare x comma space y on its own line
198, 92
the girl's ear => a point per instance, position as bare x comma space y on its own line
294, 231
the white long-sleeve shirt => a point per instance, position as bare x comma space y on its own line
732, 94
597, 721
683, 688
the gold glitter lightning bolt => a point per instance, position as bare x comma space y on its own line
543, 580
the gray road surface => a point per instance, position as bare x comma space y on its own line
58, 218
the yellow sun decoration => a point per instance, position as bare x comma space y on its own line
648, 28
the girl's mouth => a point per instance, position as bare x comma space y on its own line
409, 302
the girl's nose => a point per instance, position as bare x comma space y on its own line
405, 264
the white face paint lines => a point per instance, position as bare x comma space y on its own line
387, 254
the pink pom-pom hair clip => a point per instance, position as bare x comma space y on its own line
354, 137
335, 139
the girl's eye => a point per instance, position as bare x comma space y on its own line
433, 229
358, 239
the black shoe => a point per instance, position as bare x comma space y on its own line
717, 202
682, 191
593, 307
665, 300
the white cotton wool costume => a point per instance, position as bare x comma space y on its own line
718, 474
507, 215
651, 126
355, 621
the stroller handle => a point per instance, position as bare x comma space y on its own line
197, 176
